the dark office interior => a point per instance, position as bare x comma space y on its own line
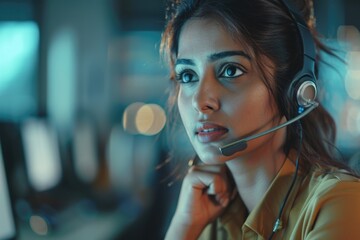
84, 132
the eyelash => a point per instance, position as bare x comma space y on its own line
179, 76
224, 67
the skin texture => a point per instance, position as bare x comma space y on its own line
222, 98
242, 104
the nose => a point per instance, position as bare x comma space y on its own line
206, 98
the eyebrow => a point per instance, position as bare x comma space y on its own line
217, 56
184, 61
214, 57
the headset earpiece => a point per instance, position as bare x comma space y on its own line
303, 91
306, 93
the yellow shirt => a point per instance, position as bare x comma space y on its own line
321, 205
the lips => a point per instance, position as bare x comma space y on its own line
210, 132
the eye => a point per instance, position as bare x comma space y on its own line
186, 76
231, 71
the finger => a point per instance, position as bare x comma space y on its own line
209, 182
219, 193
221, 199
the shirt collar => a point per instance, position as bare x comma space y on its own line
262, 219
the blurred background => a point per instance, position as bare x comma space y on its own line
83, 124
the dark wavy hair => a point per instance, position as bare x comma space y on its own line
267, 30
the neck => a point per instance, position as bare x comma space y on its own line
253, 172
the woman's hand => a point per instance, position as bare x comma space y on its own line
205, 193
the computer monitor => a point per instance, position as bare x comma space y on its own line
7, 220
42, 154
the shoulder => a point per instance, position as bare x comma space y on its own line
336, 187
333, 200
324, 182
323, 185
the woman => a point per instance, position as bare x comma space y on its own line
235, 65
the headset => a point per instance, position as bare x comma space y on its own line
302, 90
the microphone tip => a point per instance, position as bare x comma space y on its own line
232, 148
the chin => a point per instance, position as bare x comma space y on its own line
208, 157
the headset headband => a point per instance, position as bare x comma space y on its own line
304, 32
305, 80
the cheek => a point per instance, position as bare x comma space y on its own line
250, 110
184, 106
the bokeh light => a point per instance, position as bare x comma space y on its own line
150, 119
129, 117
352, 84
145, 119
353, 119
18, 42
349, 37
39, 225
347, 95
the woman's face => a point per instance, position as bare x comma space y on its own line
222, 97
